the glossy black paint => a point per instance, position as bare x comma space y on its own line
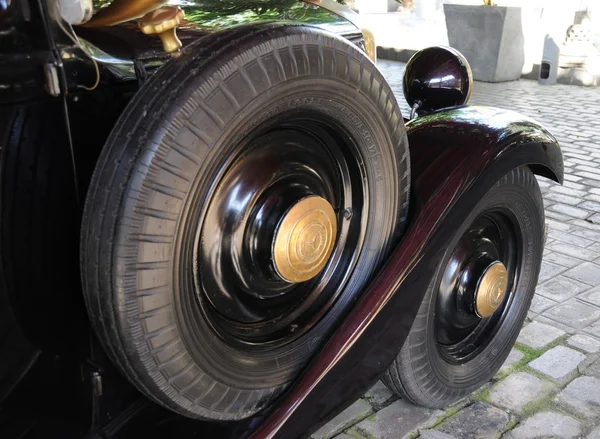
460, 332
24, 50
437, 77
305, 157
30, 40
456, 155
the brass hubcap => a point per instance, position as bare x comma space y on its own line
491, 289
304, 239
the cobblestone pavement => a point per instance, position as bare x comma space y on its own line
550, 384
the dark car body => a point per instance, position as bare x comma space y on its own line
456, 154
30, 41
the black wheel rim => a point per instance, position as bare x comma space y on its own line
236, 284
460, 333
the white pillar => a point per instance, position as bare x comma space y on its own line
425, 8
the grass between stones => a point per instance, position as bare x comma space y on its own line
482, 394
512, 423
352, 432
538, 405
546, 402
359, 433
530, 354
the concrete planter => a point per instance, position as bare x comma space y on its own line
490, 37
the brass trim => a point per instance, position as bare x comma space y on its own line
304, 239
163, 22
491, 289
354, 18
120, 11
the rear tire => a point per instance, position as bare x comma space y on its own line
38, 216
176, 269
434, 373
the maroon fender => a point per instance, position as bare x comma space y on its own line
457, 155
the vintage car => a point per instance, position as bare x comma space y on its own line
215, 222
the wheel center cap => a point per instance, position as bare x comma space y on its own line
491, 289
304, 239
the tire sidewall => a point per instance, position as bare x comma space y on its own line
283, 361
371, 115
453, 381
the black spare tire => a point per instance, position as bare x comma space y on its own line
240, 205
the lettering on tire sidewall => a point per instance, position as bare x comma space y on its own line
337, 111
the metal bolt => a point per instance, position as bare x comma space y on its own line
52, 84
348, 213
97, 383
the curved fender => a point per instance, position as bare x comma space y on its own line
457, 155
484, 137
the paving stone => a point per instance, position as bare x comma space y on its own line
519, 389
578, 186
561, 198
586, 233
398, 420
343, 436
540, 304
589, 175
576, 154
576, 314
593, 330
592, 296
537, 335
573, 250
570, 210
585, 342
557, 225
580, 162
378, 395
549, 270
434, 434
591, 182
547, 424
582, 395
359, 410
590, 205
594, 434
561, 259
568, 238
593, 369
478, 420
561, 288
587, 168
573, 193
588, 224
587, 272
594, 247
514, 356
558, 362
558, 216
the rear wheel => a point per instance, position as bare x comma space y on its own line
239, 207
478, 299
